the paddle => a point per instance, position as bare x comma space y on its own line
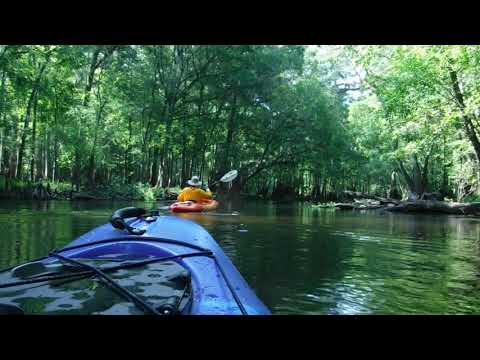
228, 177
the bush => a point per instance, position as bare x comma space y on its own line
59, 186
144, 191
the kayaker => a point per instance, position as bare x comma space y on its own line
194, 192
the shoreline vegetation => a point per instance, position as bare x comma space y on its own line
428, 204
408, 206
349, 200
43, 191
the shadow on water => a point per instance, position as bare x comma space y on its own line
300, 260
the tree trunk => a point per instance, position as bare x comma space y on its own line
184, 154
444, 189
467, 121
154, 176
1, 150
45, 154
76, 170
12, 165
230, 131
2, 115
416, 181
171, 165
26, 121
167, 161
2, 93
127, 150
160, 170
147, 133
55, 155
125, 165
91, 76
91, 167
202, 164
34, 140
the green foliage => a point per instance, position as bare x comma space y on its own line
60, 186
420, 116
145, 192
159, 114
138, 119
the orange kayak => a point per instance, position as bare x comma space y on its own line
190, 206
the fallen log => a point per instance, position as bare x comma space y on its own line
357, 206
355, 196
387, 201
426, 206
369, 207
345, 206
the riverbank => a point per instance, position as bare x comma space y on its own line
407, 206
45, 191
42, 191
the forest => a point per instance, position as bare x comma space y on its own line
297, 122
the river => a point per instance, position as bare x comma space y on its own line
299, 260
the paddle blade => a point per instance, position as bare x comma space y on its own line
230, 176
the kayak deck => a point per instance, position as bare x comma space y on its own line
217, 286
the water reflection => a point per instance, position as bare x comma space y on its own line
300, 260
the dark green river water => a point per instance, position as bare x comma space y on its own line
300, 260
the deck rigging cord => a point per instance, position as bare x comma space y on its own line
87, 273
112, 283
94, 270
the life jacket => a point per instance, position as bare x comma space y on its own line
194, 194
